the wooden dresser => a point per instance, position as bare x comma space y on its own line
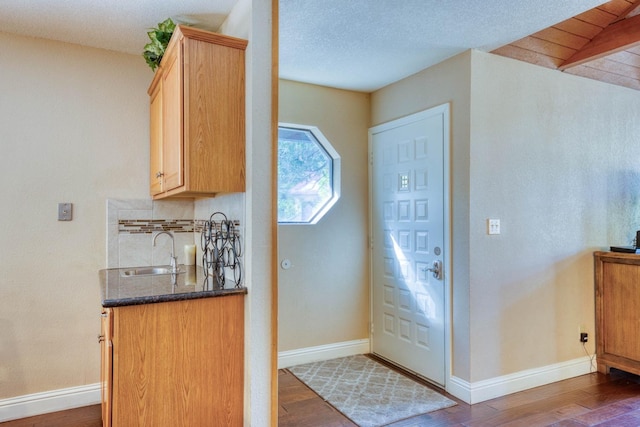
617, 279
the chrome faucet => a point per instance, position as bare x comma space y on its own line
174, 259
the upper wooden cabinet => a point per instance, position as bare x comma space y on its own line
197, 109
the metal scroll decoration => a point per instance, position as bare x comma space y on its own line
221, 252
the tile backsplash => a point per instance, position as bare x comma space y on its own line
131, 225
137, 226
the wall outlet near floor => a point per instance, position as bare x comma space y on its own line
584, 337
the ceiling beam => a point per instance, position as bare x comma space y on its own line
629, 10
614, 38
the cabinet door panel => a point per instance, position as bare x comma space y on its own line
179, 363
621, 309
172, 143
155, 131
106, 366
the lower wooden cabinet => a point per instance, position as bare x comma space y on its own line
176, 363
617, 277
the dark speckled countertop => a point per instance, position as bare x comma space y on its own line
118, 290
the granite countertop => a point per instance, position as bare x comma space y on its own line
118, 290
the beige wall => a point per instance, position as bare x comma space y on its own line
555, 157
324, 296
73, 128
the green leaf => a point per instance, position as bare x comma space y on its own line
167, 26
154, 48
160, 37
152, 60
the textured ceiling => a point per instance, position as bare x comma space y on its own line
351, 44
119, 25
364, 44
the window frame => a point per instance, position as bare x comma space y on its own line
336, 166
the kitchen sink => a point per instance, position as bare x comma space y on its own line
148, 271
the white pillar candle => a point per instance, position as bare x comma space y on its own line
189, 254
190, 277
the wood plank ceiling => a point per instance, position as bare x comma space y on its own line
602, 44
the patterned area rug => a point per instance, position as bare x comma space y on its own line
367, 392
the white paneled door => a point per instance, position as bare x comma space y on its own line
407, 220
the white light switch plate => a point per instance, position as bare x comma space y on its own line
65, 211
493, 226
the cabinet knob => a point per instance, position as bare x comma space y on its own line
159, 174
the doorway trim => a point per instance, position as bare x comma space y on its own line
445, 109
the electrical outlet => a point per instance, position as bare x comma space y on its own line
584, 337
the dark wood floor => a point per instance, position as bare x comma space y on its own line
88, 416
589, 400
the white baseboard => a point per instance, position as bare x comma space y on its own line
501, 386
49, 401
75, 397
322, 352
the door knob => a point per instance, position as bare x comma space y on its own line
436, 269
